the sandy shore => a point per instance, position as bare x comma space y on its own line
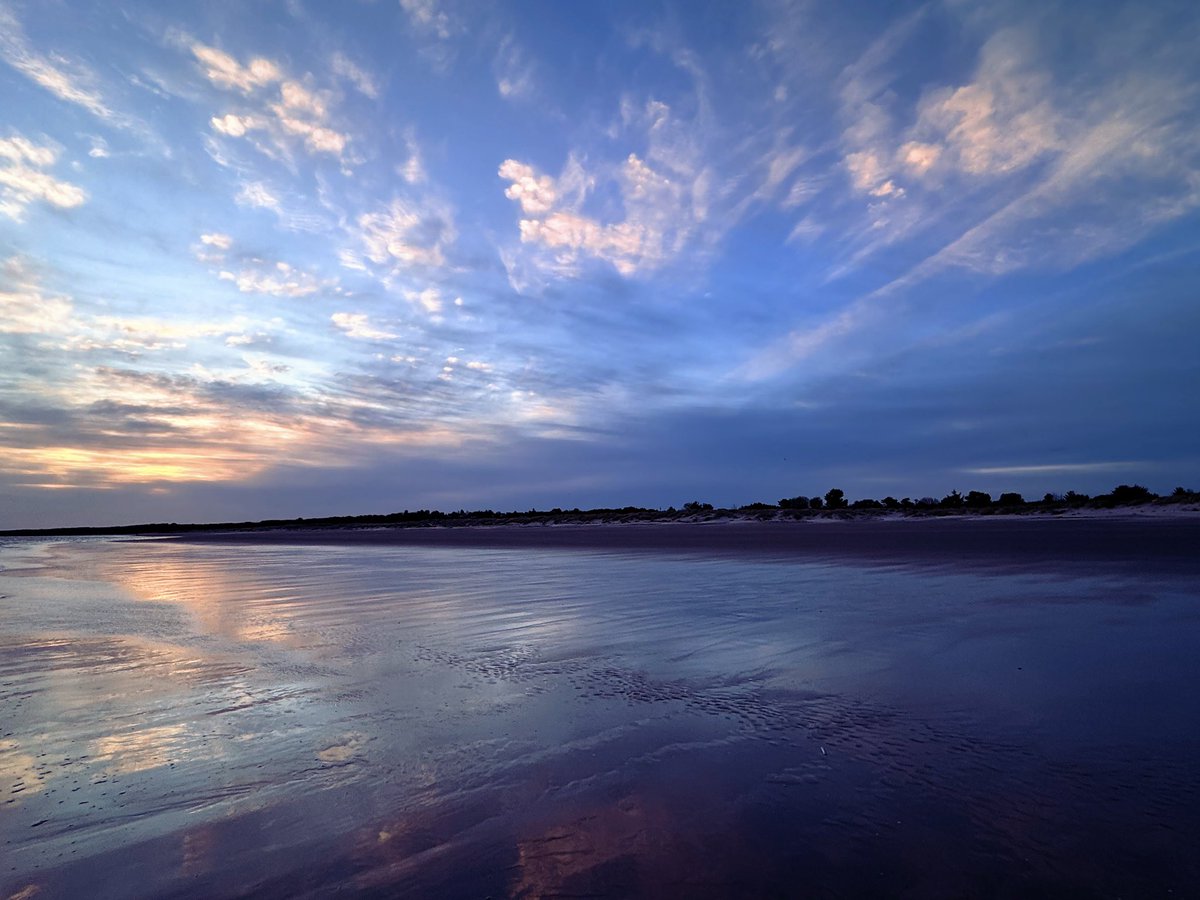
367, 713
1158, 541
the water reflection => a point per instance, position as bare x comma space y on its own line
20, 775
473, 722
143, 748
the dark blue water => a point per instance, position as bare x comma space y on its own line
224, 720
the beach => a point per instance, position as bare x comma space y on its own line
1164, 539
998, 707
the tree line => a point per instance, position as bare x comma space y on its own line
1121, 495
833, 500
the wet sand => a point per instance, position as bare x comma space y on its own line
644, 711
1009, 541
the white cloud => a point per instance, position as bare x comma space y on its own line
427, 16
866, 100
534, 192
217, 239
277, 280
362, 80
804, 231
1057, 468
52, 73
23, 180
430, 300
870, 176
514, 72
297, 111
358, 325
801, 344
919, 157
638, 212
258, 195
134, 335
24, 309
407, 234
21, 150
659, 215
224, 71
1000, 122
413, 168
235, 126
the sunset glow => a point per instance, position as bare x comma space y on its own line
298, 258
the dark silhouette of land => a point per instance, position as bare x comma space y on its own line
834, 505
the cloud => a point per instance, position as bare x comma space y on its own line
1104, 180
865, 98
133, 336
427, 16
24, 308
224, 71
800, 344
218, 240
278, 280
870, 176
659, 215
23, 180
235, 126
920, 157
429, 300
412, 170
346, 68
1000, 122
67, 80
1057, 468
358, 325
535, 193
406, 233
257, 195
514, 72
296, 111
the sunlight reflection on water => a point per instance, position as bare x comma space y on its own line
522, 722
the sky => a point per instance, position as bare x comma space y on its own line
276, 259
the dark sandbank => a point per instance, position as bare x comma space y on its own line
1151, 542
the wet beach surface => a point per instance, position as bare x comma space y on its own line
1007, 711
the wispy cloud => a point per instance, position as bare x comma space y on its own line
67, 80
358, 325
430, 16
407, 233
217, 240
291, 111
1058, 468
278, 279
660, 208
25, 308
514, 71
364, 82
225, 71
257, 195
24, 179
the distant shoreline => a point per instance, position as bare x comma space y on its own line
1149, 543
424, 520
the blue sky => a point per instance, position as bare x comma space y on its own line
300, 258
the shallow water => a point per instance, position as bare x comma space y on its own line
222, 719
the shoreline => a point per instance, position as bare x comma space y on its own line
627, 516
1153, 541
